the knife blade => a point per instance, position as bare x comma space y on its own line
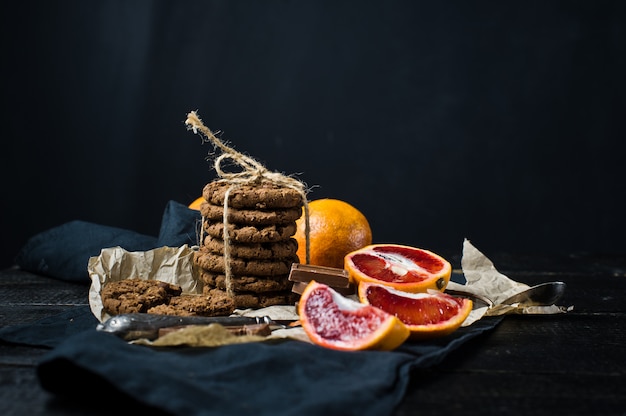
132, 326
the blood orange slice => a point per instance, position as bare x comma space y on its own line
334, 321
404, 268
427, 315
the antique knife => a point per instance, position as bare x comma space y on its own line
144, 325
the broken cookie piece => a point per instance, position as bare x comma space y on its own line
136, 295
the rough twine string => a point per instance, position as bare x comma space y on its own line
252, 173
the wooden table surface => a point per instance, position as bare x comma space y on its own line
569, 364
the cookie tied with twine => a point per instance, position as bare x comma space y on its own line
252, 173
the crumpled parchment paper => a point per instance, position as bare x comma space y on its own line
168, 264
175, 265
484, 280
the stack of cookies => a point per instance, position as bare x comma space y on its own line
261, 222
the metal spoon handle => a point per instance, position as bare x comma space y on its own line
471, 295
543, 294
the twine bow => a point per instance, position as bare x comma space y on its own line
252, 172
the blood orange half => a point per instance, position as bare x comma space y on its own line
404, 268
334, 321
427, 315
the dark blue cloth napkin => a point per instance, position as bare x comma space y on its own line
285, 377
63, 252
53, 330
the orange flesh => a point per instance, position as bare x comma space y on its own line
425, 310
336, 324
377, 262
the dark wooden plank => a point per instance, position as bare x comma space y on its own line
560, 344
565, 364
19, 287
436, 392
26, 297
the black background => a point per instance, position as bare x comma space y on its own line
501, 122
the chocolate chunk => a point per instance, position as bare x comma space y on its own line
336, 278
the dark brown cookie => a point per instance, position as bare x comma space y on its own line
251, 234
213, 304
244, 300
256, 284
264, 195
136, 296
250, 216
243, 267
261, 251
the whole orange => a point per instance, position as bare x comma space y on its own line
336, 228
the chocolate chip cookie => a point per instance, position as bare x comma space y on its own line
264, 195
213, 304
262, 251
244, 267
244, 300
241, 233
215, 212
257, 284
